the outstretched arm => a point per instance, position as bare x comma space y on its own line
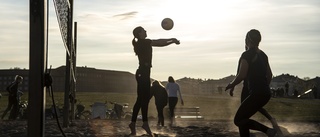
164, 42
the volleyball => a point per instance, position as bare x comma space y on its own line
167, 24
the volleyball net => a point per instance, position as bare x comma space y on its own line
64, 17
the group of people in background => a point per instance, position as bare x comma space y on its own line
253, 69
166, 95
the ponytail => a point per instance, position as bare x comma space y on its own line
136, 32
134, 44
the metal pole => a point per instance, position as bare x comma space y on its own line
66, 92
68, 68
74, 66
37, 61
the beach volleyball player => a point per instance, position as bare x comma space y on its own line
255, 69
142, 47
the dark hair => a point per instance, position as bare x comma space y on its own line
170, 79
254, 37
18, 77
136, 32
157, 83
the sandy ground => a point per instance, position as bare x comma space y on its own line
182, 128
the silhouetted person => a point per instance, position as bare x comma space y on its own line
143, 49
286, 89
295, 93
254, 67
315, 91
161, 99
173, 89
13, 98
246, 93
282, 92
273, 92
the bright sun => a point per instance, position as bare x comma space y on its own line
191, 10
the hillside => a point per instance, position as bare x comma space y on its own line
98, 80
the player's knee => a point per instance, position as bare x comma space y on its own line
239, 122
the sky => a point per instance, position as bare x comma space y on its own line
211, 33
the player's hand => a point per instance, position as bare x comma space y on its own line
176, 41
182, 103
231, 92
229, 86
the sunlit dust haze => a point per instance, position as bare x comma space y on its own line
211, 33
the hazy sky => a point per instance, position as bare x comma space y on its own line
211, 32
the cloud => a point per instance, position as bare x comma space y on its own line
127, 15
211, 33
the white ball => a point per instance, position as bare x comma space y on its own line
167, 24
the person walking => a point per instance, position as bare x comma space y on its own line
161, 99
315, 91
13, 98
173, 89
286, 93
254, 67
143, 49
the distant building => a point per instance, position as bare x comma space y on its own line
96, 80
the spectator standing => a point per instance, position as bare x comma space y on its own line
286, 94
173, 90
315, 91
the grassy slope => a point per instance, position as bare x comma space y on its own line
212, 107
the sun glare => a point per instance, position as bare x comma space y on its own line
193, 11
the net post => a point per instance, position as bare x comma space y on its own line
37, 61
68, 68
74, 68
